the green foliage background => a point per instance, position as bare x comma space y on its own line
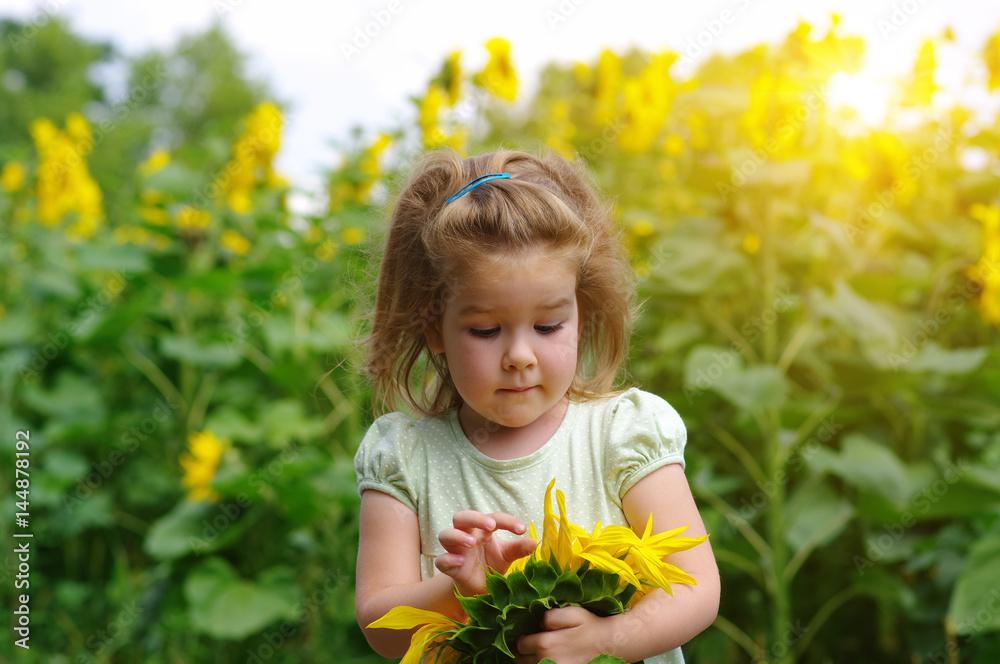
813, 305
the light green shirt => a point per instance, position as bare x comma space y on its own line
602, 448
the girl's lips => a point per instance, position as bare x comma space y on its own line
518, 389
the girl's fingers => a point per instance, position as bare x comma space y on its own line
507, 522
469, 520
518, 548
455, 540
447, 562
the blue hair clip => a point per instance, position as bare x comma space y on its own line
475, 183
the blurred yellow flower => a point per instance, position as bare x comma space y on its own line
327, 250
190, 218
64, 184
352, 236
920, 87
674, 144
451, 77
430, 107
987, 268
235, 242
647, 101
253, 157
751, 243
607, 84
562, 129
991, 57
12, 176
200, 464
155, 215
156, 162
499, 77
369, 158
642, 228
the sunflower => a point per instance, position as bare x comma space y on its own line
604, 571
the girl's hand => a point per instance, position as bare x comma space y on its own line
573, 636
472, 548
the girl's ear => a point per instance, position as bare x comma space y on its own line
435, 341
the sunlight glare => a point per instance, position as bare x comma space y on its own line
862, 93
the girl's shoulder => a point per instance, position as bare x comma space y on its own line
400, 431
633, 404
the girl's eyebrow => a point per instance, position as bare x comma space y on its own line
474, 308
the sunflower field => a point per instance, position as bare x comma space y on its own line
179, 394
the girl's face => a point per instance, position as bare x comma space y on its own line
510, 339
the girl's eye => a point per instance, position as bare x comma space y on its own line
548, 329
483, 333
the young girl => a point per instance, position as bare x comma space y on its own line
501, 318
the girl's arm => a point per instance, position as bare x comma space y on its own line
657, 623
389, 564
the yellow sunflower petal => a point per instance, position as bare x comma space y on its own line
408, 617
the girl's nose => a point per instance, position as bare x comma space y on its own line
518, 354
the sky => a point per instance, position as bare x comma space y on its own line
342, 64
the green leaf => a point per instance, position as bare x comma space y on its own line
974, 604
496, 586
187, 349
16, 328
178, 531
815, 511
721, 369
477, 637
521, 592
126, 258
285, 419
868, 464
224, 606
229, 422
692, 265
754, 388
481, 611
568, 588
934, 358
542, 577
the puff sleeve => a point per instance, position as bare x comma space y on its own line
643, 433
385, 461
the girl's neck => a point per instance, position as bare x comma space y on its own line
505, 443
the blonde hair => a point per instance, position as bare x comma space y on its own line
549, 203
